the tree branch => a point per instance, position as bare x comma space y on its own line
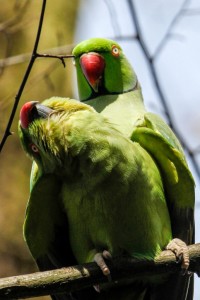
60, 57
78, 277
18, 59
29, 68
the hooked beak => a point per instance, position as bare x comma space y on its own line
33, 110
93, 65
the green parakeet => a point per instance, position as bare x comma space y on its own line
107, 82
98, 193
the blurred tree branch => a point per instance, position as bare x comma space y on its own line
5, 26
11, 26
152, 59
22, 58
79, 277
43, 75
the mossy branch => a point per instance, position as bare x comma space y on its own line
78, 277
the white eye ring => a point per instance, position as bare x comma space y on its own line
34, 148
115, 51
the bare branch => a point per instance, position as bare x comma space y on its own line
18, 59
75, 278
14, 60
60, 57
18, 96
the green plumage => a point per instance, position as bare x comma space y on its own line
115, 179
124, 107
106, 188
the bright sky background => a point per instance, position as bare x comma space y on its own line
177, 63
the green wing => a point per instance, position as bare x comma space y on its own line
46, 230
159, 140
45, 226
157, 124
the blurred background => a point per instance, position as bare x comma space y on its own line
161, 39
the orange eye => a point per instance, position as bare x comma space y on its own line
115, 51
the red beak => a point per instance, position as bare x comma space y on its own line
93, 65
25, 113
33, 110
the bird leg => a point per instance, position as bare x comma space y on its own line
180, 249
99, 259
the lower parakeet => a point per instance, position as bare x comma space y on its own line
96, 193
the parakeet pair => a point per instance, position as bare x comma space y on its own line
106, 181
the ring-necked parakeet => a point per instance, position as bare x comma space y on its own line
107, 82
97, 194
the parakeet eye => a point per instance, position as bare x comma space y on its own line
34, 148
115, 51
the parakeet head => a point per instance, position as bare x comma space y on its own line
43, 130
102, 68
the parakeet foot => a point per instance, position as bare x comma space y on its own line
99, 259
180, 249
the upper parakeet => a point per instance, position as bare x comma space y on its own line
107, 82
99, 194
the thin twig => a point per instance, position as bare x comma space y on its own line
60, 57
18, 59
29, 68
